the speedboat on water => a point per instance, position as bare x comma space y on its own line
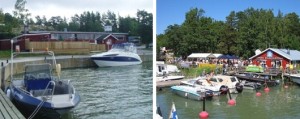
119, 55
198, 82
294, 77
217, 83
251, 85
39, 90
194, 93
256, 77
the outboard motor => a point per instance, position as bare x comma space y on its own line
209, 94
223, 89
239, 87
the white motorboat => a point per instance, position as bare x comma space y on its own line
195, 93
217, 83
163, 68
295, 78
197, 82
119, 55
251, 85
166, 72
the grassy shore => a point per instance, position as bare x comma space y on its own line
197, 71
4, 54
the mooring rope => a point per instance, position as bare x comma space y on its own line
37, 108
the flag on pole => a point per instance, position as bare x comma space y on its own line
173, 113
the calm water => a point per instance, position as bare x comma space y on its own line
279, 103
112, 92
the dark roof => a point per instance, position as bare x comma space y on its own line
228, 57
75, 32
104, 36
293, 55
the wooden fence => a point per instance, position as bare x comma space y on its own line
65, 47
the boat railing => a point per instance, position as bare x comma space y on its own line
25, 91
47, 88
15, 54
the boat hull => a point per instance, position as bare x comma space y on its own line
259, 80
107, 61
102, 63
44, 112
295, 78
190, 93
167, 78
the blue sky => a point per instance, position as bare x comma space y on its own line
169, 12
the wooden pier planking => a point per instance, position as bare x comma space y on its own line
169, 83
7, 109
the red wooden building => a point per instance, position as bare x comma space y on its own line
20, 40
92, 37
109, 40
275, 58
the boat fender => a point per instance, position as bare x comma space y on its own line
8, 93
58, 69
185, 94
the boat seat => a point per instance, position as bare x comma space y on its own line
33, 83
61, 88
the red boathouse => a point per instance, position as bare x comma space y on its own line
275, 58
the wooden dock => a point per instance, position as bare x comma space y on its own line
7, 109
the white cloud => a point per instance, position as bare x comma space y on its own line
69, 8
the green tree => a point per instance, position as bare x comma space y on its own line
21, 12
128, 25
145, 26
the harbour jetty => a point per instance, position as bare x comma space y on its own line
7, 109
66, 61
170, 83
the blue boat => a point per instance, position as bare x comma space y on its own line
40, 90
193, 93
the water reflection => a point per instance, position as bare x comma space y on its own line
278, 103
112, 92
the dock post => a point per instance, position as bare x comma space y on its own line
2, 86
143, 57
271, 77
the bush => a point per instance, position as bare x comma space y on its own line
197, 71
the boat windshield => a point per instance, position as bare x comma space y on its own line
38, 71
43, 69
126, 47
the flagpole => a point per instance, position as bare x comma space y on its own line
170, 114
